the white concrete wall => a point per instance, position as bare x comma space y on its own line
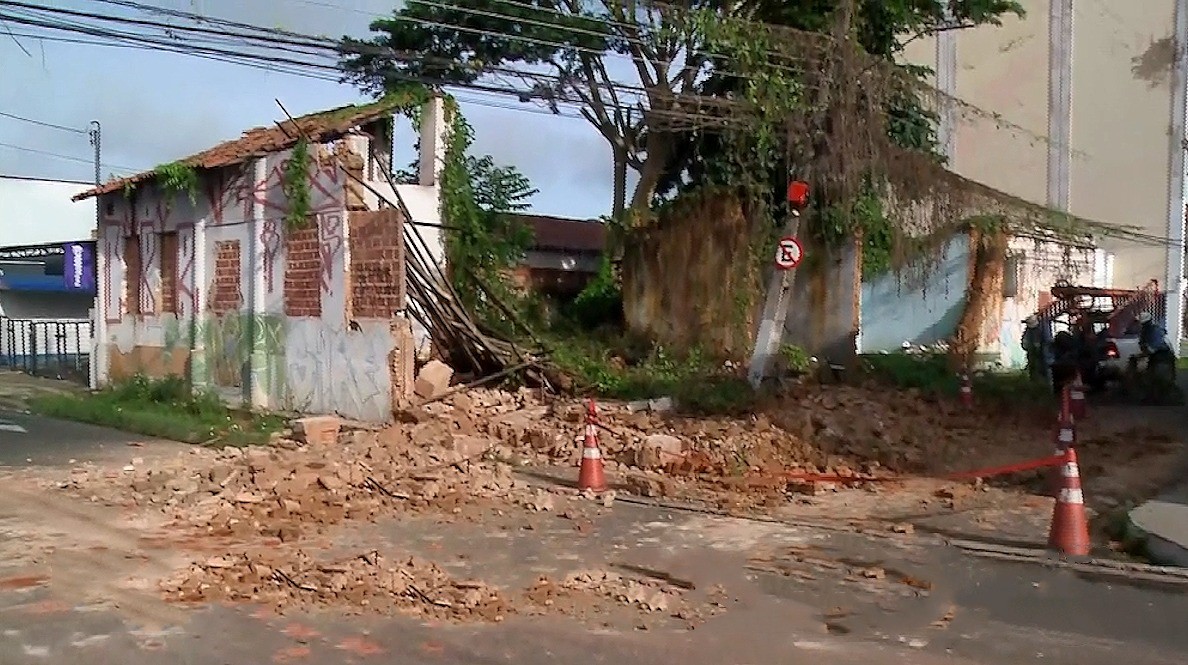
1076, 112
920, 305
923, 304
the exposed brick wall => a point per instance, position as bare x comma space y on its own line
169, 273
132, 274
377, 264
303, 272
227, 295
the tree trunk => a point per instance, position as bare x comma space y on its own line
983, 296
660, 145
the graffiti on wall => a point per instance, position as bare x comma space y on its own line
315, 364
331, 242
331, 369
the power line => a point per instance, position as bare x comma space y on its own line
641, 94
27, 178
59, 155
42, 123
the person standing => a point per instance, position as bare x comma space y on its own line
1037, 344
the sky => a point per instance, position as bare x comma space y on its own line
45, 214
155, 107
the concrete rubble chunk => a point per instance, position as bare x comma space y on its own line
658, 451
317, 430
433, 379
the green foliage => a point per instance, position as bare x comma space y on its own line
295, 185
601, 302
749, 69
467, 39
863, 215
178, 177
163, 407
483, 240
796, 359
932, 374
616, 368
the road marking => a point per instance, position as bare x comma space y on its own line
8, 426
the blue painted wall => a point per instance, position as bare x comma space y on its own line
921, 307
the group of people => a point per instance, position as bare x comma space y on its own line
1058, 359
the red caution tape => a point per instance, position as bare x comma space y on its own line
988, 472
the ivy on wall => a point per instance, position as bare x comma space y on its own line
176, 178
295, 185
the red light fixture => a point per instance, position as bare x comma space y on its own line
798, 192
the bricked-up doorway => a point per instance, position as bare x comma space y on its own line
377, 264
378, 288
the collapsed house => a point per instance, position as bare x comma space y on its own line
213, 278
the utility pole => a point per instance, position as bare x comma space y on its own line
98, 316
780, 288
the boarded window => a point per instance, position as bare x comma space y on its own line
1011, 274
377, 264
169, 273
303, 272
227, 295
132, 274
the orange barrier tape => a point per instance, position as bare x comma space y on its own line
988, 472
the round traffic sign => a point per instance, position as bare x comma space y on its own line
788, 253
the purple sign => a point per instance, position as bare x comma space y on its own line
79, 266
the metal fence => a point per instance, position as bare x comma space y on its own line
55, 348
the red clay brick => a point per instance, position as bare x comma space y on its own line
303, 272
169, 272
377, 279
227, 295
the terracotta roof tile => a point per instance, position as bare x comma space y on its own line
320, 127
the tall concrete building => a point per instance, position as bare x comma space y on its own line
1083, 109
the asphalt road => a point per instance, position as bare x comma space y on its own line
30, 440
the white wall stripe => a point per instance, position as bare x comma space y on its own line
1060, 64
946, 82
1177, 199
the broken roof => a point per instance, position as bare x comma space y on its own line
320, 127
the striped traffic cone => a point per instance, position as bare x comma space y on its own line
1077, 405
591, 476
1069, 533
966, 391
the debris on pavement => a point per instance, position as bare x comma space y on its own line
369, 582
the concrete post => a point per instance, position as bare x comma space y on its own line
775, 313
1177, 200
255, 392
199, 374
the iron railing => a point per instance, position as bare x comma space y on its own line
55, 348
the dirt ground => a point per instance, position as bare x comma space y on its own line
410, 520
244, 525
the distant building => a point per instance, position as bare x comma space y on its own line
47, 296
564, 255
1082, 108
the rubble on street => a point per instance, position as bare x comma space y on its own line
458, 455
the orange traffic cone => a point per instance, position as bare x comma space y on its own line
966, 391
1065, 434
1076, 395
591, 476
1070, 527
